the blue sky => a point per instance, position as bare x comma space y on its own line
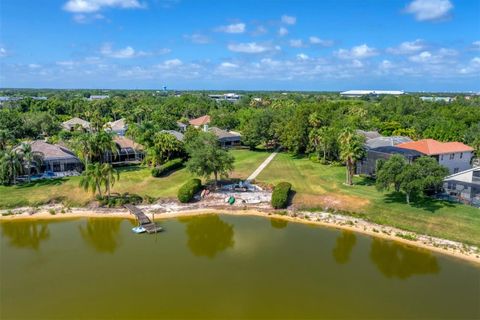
412, 45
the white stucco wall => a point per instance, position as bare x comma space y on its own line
462, 163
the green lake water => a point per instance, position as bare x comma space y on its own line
223, 267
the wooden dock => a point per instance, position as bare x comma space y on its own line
144, 221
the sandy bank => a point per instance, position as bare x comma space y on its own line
341, 222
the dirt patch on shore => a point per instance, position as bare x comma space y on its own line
331, 201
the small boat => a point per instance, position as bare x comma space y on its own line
231, 200
139, 229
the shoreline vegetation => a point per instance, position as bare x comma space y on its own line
342, 222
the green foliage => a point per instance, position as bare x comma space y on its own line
351, 150
188, 190
167, 167
280, 195
424, 175
207, 157
164, 147
389, 173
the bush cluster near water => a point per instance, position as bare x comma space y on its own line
188, 190
167, 167
118, 200
280, 195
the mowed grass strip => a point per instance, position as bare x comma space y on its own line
321, 186
135, 179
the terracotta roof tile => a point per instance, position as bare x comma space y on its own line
433, 147
200, 121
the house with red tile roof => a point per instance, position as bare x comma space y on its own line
456, 156
201, 121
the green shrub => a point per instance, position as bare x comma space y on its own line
167, 167
188, 190
52, 212
280, 195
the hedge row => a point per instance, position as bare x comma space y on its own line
280, 195
167, 167
188, 190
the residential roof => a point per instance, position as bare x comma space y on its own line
396, 150
433, 147
386, 141
374, 92
126, 143
76, 121
225, 135
51, 151
117, 125
176, 134
369, 134
458, 175
200, 121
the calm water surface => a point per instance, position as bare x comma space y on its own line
223, 267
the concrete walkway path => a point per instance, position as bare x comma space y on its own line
262, 166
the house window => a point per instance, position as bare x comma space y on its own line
456, 170
461, 155
452, 156
441, 157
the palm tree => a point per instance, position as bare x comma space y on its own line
351, 150
92, 178
83, 147
110, 176
11, 165
101, 143
5, 136
28, 157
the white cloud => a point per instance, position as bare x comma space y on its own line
198, 38
358, 52
89, 6
127, 52
34, 66
322, 42
443, 55
407, 47
3, 52
473, 67
232, 28
302, 57
290, 20
87, 18
172, 63
251, 47
259, 31
428, 10
296, 43
228, 65
476, 45
282, 31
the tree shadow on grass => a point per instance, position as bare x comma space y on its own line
365, 181
131, 168
43, 182
291, 195
425, 203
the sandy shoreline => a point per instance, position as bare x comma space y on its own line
443, 246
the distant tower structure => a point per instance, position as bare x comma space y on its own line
165, 88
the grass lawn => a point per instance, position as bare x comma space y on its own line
319, 186
136, 179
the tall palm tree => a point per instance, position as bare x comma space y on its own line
110, 176
351, 150
82, 145
11, 165
101, 143
5, 136
92, 178
30, 157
